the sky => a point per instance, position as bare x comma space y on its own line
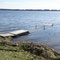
30, 4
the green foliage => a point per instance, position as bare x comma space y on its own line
5, 39
6, 54
24, 51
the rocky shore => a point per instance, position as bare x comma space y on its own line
34, 49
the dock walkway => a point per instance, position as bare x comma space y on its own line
15, 33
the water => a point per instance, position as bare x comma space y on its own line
16, 20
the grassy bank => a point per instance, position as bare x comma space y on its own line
11, 53
26, 51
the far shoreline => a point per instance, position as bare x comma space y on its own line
29, 10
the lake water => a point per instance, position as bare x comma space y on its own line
16, 20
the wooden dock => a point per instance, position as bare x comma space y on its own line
23, 32
48, 24
15, 33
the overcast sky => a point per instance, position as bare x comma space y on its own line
30, 4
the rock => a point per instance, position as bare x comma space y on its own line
40, 50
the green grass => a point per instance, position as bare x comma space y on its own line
9, 55
16, 55
23, 51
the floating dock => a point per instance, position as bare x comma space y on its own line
48, 24
15, 33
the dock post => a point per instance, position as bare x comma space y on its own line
43, 27
35, 27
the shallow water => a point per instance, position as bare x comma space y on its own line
16, 20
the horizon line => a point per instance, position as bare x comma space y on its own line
29, 9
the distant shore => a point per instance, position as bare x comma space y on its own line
29, 10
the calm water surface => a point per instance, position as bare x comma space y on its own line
16, 20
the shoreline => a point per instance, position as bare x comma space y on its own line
36, 50
29, 10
